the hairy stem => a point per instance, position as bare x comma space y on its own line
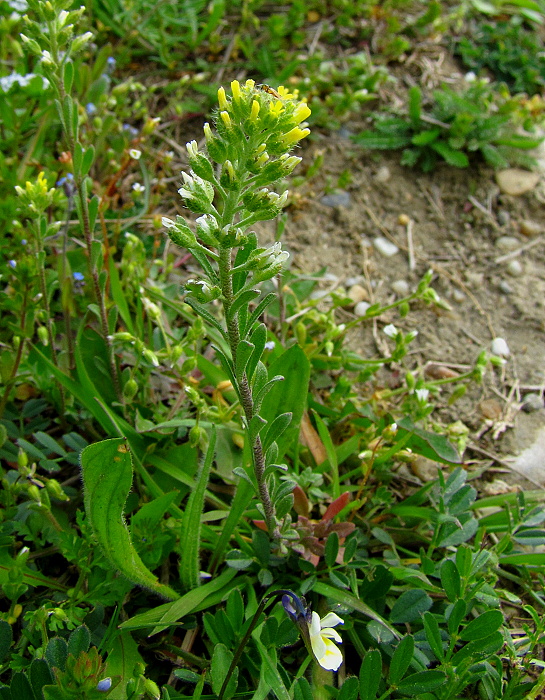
245, 393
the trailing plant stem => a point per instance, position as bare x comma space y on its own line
245, 392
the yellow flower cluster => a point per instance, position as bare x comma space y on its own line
261, 109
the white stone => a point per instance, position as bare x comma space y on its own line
499, 347
401, 288
361, 308
383, 174
515, 268
507, 243
385, 247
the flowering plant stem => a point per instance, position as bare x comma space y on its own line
228, 185
245, 392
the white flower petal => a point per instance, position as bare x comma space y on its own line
319, 645
331, 620
330, 633
314, 627
332, 658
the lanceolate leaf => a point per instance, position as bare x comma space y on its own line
107, 479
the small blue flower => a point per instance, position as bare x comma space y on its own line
104, 685
24, 241
90, 108
12, 264
111, 62
130, 129
78, 276
61, 182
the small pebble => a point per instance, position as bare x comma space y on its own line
383, 174
401, 288
337, 199
515, 182
499, 347
514, 268
530, 228
503, 217
403, 220
385, 247
351, 281
505, 287
458, 296
425, 469
491, 409
357, 293
474, 279
361, 308
318, 294
532, 402
507, 243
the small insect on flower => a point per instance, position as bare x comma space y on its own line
269, 90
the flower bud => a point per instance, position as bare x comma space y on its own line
179, 232
130, 389
54, 489
43, 335
199, 163
198, 437
202, 291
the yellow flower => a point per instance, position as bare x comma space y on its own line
276, 108
222, 99
226, 119
301, 112
323, 638
255, 110
235, 89
294, 135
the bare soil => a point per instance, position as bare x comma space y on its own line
456, 220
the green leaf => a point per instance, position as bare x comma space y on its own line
524, 559
415, 105
403, 655
87, 160
240, 502
433, 635
386, 142
370, 674
6, 638
482, 626
429, 444
302, 690
331, 549
79, 640
269, 671
410, 606
56, 653
190, 540
421, 682
351, 601
169, 613
123, 656
450, 579
456, 616
107, 479
331, 454
20, 687
289, 395
40, 675
119, 297
450, 155
221, 660
349, 689
277, 428
425, 137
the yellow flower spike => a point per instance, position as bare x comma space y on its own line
255, 110
235, 89
222, 99
249, 84
226, 119
286, 94
295, 135
301, 112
